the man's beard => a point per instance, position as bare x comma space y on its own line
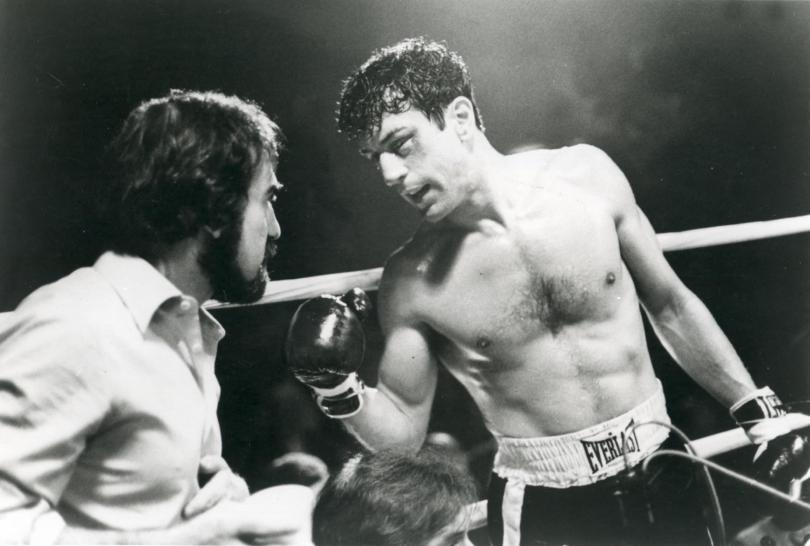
219, 262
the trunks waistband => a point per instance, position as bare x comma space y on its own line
586, 456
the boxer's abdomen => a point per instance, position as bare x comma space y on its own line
542, 325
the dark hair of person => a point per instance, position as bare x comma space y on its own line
387, 498
180, 163
414, 73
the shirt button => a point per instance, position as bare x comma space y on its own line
185, 305
196, 347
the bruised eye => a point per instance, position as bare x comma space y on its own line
402, 146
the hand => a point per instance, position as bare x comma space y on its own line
222, 485
784, 459
324, 348
783, 454
276, 515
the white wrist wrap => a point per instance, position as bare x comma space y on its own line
763, 393
344, 400
758, 413
762, 404
352, 382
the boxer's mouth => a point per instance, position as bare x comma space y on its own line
416, 196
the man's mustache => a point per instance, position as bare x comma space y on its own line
270, 250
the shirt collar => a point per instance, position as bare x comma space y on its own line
211, 324
140, 286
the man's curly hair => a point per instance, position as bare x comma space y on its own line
414, 73
180, 163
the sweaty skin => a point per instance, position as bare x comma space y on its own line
526, 281
538, 317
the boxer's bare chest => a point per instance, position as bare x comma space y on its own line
497, 289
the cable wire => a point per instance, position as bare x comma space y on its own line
716, 510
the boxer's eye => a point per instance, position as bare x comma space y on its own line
402, 146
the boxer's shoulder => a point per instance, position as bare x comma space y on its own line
401, 270
583, 173
564, 158
578, 168
408, 274
417, 259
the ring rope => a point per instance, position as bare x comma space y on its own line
369, 279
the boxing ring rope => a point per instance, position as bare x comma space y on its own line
715, 444
369, 279
703, 448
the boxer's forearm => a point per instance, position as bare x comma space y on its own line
693, 338
383, 424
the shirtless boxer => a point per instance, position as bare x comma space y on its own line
525, 281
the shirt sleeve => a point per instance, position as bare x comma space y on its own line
36, 524
51, 399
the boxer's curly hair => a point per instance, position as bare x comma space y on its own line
413, 73
180, 163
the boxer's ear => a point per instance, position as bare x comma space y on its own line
461, 117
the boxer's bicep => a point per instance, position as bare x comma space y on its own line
406, 385
407, 372
656, 282
397, 412
408, 369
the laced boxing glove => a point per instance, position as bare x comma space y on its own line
325, 347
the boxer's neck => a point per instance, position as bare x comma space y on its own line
487, 201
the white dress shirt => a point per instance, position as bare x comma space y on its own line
107, 402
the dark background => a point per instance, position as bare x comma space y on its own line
704, 105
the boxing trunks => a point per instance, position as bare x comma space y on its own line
572, 489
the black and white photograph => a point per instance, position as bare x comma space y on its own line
405, 272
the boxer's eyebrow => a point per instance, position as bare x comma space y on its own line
373, 152
391, 135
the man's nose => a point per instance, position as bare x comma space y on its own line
392, 168
273, 227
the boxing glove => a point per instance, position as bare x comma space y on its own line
325, 347
784, 454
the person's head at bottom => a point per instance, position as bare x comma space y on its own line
387, 498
